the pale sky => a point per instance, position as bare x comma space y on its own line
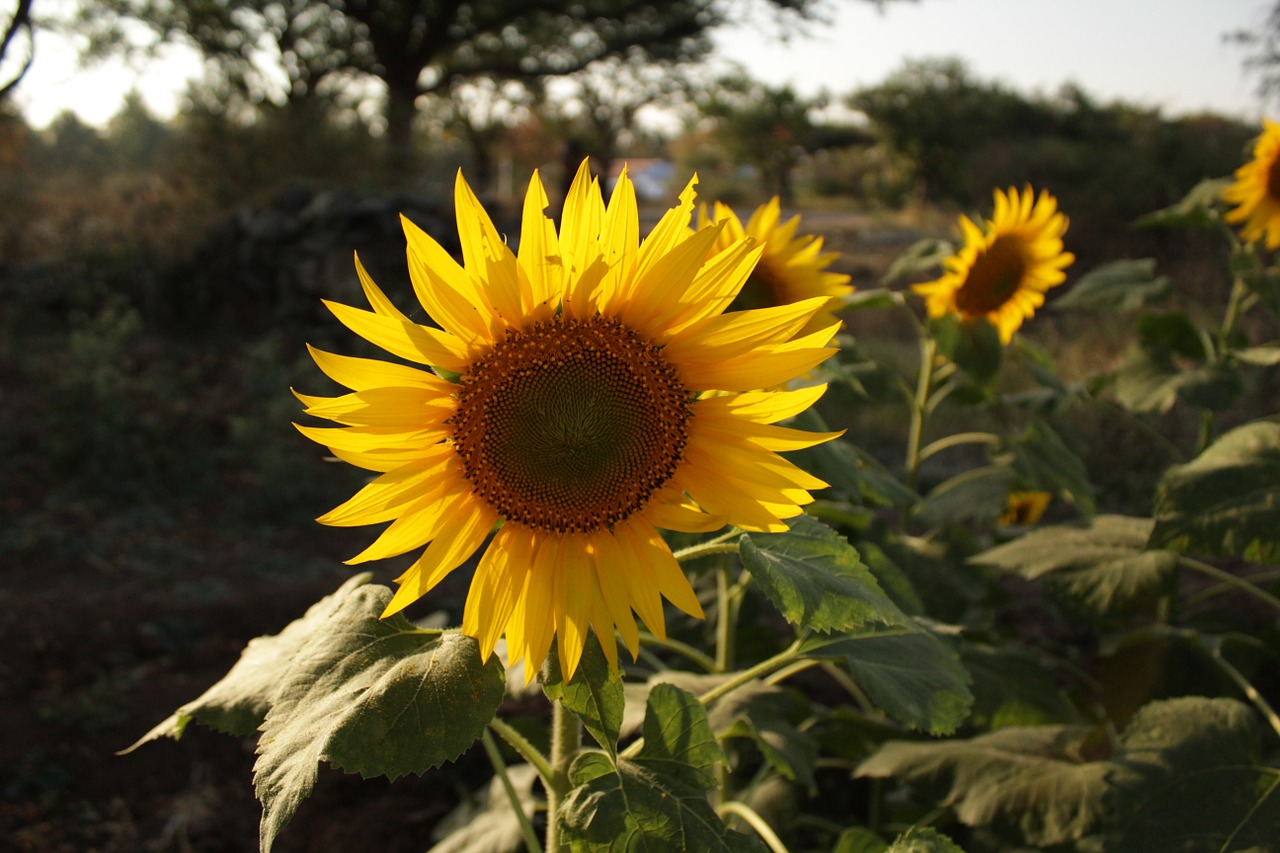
1155, 53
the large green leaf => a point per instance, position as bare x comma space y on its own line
921, 259
912, 677
1104, 564
488, 823
658, 800
768, 715
1034, 779
372, 696
1188, 779
849, 469
239, 701
923, 839
1227, 500
1012, 686
1046, 463
1171, 364
1117, 286
815, 577
976, 495
594, 693
1197, 209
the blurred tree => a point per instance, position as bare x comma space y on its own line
1262, 46
424, 47
936, 114
73, 148
137, 137
18, 27
770, 129
595, 111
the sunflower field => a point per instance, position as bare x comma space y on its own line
704, 611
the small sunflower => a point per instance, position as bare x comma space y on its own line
1025, 508
1003, 270
586, 392
1256, 190
791, 269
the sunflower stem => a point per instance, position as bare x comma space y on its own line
500, 770
566, 740
527, 750
950, 441
1231, 580
724, 618
752, 819
920, 407
706, 549
698, 656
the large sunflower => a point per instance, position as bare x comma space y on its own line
790, 270
569, 409
1256, 190
1003, 270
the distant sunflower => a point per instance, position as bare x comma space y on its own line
1003, 270
790, 270
568, 409
1025, 508
1256, 191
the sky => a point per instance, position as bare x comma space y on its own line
1169, 54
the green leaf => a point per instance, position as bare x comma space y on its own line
923, 839
1104, 564
816, 579
1197, 209
1046, 463
594, 693
767, 714
873, 297
977, 495
913, 677
1263, 356
1116, 287
238, 703
850, 469
657, 801
1012, 686
1153, 384
1032, 779
1188, 779
678, 741
1172, 333
488, 823
974, 345
921, 259
858, 839
371, 696
1227, 500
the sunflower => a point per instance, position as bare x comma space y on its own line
1003, 270
1256, 190
586, 392
1024, 508
791, 268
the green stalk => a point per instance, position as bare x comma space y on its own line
920, 407
699, 657
719, 545
528, 751
500, 770
724, 619
753, 820
566, 740
1231, 580
956, 440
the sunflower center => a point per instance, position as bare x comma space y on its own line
996, 274
1273, 178
571, 425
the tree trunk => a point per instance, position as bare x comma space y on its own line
402, 96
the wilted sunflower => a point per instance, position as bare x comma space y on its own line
1256, 190
1003, 270
568, 408
790, 270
